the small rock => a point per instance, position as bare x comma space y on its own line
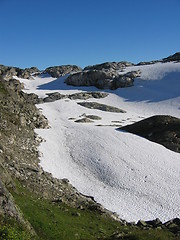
141, 223
84, 120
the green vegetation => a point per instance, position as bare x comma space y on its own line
10, 230
59, 221
53, 221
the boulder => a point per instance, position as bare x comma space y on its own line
154, 223
87, 95
102, 79
161, 129
102, 107
141, 223
58, 71
84, 120
53, 97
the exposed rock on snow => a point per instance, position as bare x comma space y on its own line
171, 58
54, 97
9, 72
129, 175
102, 107
58, 71
93, 117
164, 130
87, 95
81, 96
102, 79
84, 120
109, 66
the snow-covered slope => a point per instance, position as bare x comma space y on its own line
127, 174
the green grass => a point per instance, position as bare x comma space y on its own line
58, 221
11, 230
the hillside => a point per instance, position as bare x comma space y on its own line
78, 140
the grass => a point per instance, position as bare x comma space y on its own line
58, 221
11, 230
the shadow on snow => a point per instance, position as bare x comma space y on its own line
143, 90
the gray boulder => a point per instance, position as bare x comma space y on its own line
102, 107
102, 79
58, 71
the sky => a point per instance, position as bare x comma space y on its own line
45, 33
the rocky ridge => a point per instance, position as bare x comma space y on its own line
8, 72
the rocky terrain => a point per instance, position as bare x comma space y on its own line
8, 72
161, 129
175, 57
102, 79
19, 156
59, 71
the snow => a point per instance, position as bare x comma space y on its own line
126, 173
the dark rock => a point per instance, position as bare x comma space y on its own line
141, 223
174, 221
58, 71
102, 107
82, 95
93, 117
53, 97
172, 58
161, 129
154, 223
173, 225
87, 95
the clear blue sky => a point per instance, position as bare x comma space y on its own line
44, 33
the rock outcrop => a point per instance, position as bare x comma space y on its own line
174, 57
147, 63
102, 107
8, 72
109, 66
57, 96
102, 79
58, 71
161, 129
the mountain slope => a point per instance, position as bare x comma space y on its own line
125, 173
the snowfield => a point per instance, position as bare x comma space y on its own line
126, 173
